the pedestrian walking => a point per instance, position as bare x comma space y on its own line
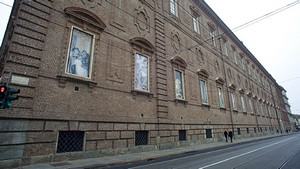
230, 135
226, 134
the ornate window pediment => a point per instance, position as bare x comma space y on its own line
85, 16
232, 86
178, 63
195, 11
142, 43
220, 80
203, 73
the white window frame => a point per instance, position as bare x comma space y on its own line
91, 53
243, 104
235, 56
233, 101
173, 7
250, 106
196, 24
212, 37
225, 49
148, 73
182, 81
202, 94
221, 98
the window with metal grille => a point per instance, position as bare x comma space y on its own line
182, 135
247, 130
70, 141
208, 133
254, 129
141, 138
239, 131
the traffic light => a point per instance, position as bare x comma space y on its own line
10, 95
7, 95
3, 90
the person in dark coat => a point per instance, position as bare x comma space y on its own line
230, 135
225, 134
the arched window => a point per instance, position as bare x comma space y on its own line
82, 36
143, 52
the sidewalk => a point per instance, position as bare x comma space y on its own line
144, 156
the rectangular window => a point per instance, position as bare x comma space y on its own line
182, 135
243, 64
250, 106
212, 37
80, 53
173, 7
243, 104
141, 72
262, 110
195, 24
233, 101
220, 92
239, 131
269, 111
203, 92
141, 138
254, 129
179, 88
225, 48
70, 141
266, 111
208, 133
256, 108
247, 130
234, 57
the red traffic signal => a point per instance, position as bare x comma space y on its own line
2, 89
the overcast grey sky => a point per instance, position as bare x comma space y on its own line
274, 41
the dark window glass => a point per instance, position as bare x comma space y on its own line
70, 141
141, 138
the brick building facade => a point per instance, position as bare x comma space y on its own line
119, 77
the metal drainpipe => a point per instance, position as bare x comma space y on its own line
226, 83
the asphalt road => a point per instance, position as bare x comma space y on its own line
280, 152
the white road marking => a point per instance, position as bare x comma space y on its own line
243, 154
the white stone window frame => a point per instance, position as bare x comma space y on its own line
233, 101
225, 47
148, 72
221, 96
196, 27
182, 82
174, 7
234, 56
205, 87
250, 105
91, 55
243, 104
212, 37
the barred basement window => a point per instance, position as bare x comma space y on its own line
182, 135
70, 141
208, 133
239, 131
141, 138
